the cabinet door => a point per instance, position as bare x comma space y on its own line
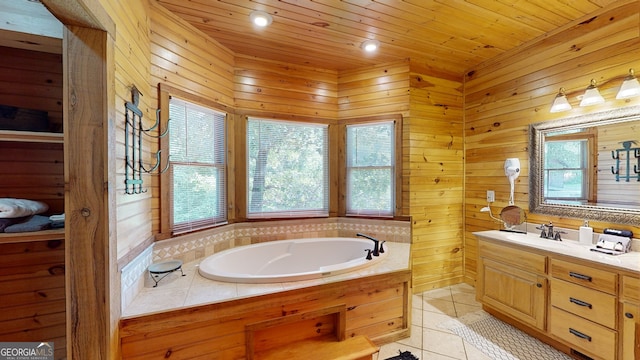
519, 294
630, 338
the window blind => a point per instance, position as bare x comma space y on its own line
197, 156
370, 169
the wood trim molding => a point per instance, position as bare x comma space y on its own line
83, 13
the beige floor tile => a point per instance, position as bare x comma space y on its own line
462, 288
416, 317
416, 301
432, 320
428, 355
465, 298
415, 340
438, 294
393, 349
439, 306
443, 343
464, 309
473, 353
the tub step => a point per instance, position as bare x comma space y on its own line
324, 348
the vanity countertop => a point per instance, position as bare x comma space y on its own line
628, 262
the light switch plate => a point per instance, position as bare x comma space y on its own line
491, 196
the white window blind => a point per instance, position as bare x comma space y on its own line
197, 148
370, 169
287, 169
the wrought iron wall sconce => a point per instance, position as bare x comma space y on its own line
628, 150
133, 132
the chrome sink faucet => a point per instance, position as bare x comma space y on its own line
548, 233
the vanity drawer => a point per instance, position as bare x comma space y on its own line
520, 259
597, 279
630, 288
584, 302
584, 335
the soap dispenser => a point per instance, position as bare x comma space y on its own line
586, 234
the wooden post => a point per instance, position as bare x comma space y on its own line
91, 276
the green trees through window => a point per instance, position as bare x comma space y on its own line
287, 169
566, 169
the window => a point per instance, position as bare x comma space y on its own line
287, 169
198, 166
567, 166
370, 169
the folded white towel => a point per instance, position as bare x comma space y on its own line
57, 217
13, 208
614, 242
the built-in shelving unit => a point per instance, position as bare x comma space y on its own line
31, 136
32, 146
44, 235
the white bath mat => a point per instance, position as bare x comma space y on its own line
499, 340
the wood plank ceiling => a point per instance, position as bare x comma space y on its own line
449, 36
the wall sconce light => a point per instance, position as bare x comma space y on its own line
592, 95
370, 45
260, 18
630, 87
560, 103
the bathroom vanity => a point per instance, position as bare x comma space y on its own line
582, 302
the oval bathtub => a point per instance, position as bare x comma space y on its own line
288, 260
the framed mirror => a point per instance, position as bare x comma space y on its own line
587, 166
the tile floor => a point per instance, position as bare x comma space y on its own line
428, 341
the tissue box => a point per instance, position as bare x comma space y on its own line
616, 243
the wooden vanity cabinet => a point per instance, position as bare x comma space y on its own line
630, 318
583, 310
513, 282
582, 307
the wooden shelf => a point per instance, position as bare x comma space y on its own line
31, 136
44, 235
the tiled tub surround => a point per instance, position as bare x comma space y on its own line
177, 291
192, 248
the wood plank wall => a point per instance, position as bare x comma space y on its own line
610, 191
506, 94
33, 171
32, 80
183, 58
284, 91
33, 293
131, 56
436, 176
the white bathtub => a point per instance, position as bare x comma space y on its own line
289, 260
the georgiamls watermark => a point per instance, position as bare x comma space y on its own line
26, 351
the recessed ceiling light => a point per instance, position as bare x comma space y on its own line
260, 18
370, 45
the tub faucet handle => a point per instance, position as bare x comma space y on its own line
381, 250
368, 254
376, 249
